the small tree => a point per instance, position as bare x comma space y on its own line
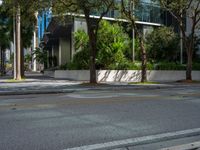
23, 10
181, 10
87, 7
40, 56
127, 9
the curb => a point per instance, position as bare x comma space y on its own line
35, 92
85, 88
77, 89
140, 140
190, 146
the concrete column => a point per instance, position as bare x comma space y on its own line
52, 51
60, 53
72, 42
34, 56
181, 44
181, 47
14, 49
64, 51
48, 59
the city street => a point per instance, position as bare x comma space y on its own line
100, 75
61, 121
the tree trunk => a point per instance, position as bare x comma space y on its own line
1, 62
18, 44
93, 47
92, 42
2, 65
22, 62
144, 61
189, 65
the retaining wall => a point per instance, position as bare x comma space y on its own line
124, 75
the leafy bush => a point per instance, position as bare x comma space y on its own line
196, 54
81, 58
27, 58
125, 65
196, 66
169, 66
174, 66
40, 55
112, 43
162, 45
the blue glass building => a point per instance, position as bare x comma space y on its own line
44, 18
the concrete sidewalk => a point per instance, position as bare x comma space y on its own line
36, 83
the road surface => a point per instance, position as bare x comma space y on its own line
61, 121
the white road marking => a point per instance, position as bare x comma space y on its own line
140, 140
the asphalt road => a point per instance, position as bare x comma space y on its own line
57, 122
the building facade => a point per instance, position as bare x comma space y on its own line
58, 37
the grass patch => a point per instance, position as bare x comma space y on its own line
143, 83
15, 81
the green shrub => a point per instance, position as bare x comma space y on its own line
27, 58
169, 66
112, 44
81, 58
125, 65
162, 45
196, 66
64, 67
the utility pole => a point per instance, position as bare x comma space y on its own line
35, 43
14, 48
181, 47
18, 43
181, 41
133, 34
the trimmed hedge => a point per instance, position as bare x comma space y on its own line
174, 66
137, 66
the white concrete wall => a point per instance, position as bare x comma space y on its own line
80, 24
119, 76
79, 75
124, 75
49, 73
